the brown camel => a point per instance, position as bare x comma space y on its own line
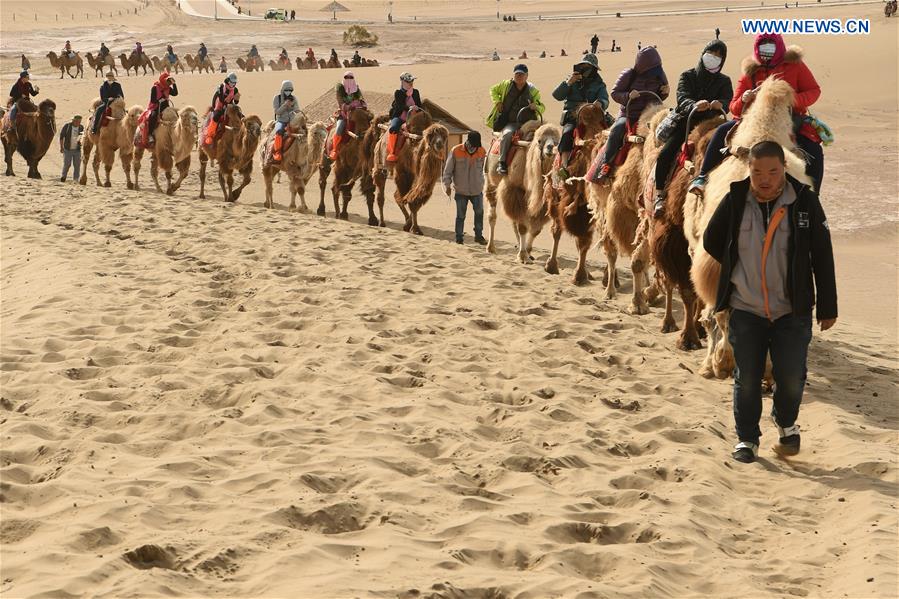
567, 204
116, 135
532, 160
349, 166
278, 65
250, 64
299, 161
99, 64
234, 151
618, 207
195, 63
31, 135
307, 63
136, 62
161, 64
333, 63
418, 167
66, 62
176, 135
767, 118
668, 246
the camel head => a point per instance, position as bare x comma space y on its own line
769, 116
233, 116
435, 140
117, 108
318, 130
47, 110
253, 126
418, 121
546, 138
592, 117
188, 117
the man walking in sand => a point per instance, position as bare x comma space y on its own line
464, 170
70, 147
594, 43
771, 237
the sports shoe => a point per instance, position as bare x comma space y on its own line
658, 206
697, 186
746, 452
480, 240
501, 168
789, 439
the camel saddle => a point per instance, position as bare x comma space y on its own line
630, 138
142, 133
517, 142
268, 156
218, 132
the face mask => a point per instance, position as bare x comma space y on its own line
767, 50
711, 62
288, 92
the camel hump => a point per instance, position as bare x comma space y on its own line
96, 103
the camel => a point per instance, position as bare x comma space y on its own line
567, 205
161, 64
31, 135
65, 62
767, 118
99, 64
233, 150
333, 63
523, 181
668, 246
116, 135
365, 63
135, 62
299, 161
307, 63
203, 66
251, 64
418, 167
176, 135
277, 65
349, 166
618, 205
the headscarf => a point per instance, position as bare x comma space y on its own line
349, 83
780, 48
713, 46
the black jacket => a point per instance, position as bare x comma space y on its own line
399, 102
110, 91
699, 84
20, 90
810, 262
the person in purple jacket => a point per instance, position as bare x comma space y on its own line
646, 75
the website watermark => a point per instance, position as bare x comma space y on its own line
807, 26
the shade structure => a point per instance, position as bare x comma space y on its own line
334, 8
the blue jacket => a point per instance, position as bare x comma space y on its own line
585, 90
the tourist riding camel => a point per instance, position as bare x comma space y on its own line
704, 91
584, 85
285, 106
137, 52
357, 59
510, 97
405, 100
283, 59
170, 55
771, 58
349, 98
647, 75
202, 52
227, 93
20, 89
254, 52
103, 52
67, 50
164, 88
109, 91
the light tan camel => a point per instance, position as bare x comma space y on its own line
176, 135
136, 62
116, 135
32, 134
524, 180
767, 118
99, 64
619, 205
298, 161
418, 167
306, 63
250, 64
203, 66
66, 62
161, 64
233, 151
277, 65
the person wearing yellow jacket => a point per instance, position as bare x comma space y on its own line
510, 98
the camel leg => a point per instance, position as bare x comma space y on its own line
347, 193
226, 182
203, 160
415, 228
323, 171
407, 225
135, 166
8, 151
638, 268
294, 189
552, 263
669, 325
107, 167
611, 277
183, 169
168, 181
86, 147
380, 181
301, 191
154, 171
689, 338
125, 158
723, 363
335, 195
96, 166
32, 170
521, 231
583, 244
245, 174
268, 175
491, 219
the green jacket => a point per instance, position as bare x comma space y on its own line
499, 91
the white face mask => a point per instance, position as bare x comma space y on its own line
711, 62
767, 50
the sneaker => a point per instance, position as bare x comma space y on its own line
501, 168
697, 186
459, 240
658, 206
789, 439
62, 179
746, 452
480, 240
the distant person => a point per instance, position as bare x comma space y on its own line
254, 52
223, 66
768, 281
162, 89
356, 60
543, 54
717, 33
594, 43
464, 170
563, 53
70, 148
26, 64
202, 53
170, 55
510, 97
67, 50
613, 45
524, 55
293, 15
495, 55
639, 46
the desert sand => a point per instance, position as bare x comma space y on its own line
208, 400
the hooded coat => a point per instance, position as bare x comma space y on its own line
284, 112
646, 75
700, 84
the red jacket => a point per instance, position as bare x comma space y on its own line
791, 69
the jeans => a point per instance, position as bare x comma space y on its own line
71, 158
341, 126
505, 141
667, 155
279, 127
395, 125
12, 112
616, 139
566, 142
753, 337
713, 155
477, 202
